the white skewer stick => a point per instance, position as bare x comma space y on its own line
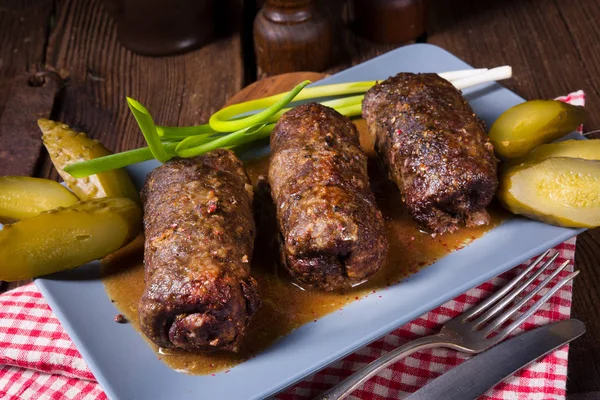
463, 73
494, 74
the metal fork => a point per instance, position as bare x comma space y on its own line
471, 332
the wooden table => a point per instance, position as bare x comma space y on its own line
553, 46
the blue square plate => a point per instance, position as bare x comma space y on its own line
127, 368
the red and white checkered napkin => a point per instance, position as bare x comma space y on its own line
39, 361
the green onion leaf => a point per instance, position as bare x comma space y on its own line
338, 89
221, 120
144, 120
194, 141
173, 133
119, 160
231, 139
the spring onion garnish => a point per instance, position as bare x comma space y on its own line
220, 117
220, 121
144, 120
247, 122
175, 133
113, 161
224, 141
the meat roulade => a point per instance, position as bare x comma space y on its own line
332, 234
434, 148
200, 231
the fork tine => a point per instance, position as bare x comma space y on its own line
505, 332
492, 299
511, 296
511, 311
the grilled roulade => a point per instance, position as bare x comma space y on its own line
434, 148
332, 234
200, 231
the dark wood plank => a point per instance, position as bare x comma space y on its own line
356, 50
581, 21
584, 396
584, 355
178, 90
23, 35
529, 35
350, 49
584, 368
19, 133
552, 46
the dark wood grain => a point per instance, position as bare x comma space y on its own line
24, 25
350, 49
530, 35
553, 49
20, 152
584, 367
178, 90
22, 50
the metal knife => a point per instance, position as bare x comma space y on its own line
475, 376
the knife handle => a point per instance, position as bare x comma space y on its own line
348, 385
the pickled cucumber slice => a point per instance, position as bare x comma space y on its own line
66, 146
67, 237
24, 197
560, 191
586, 149
527, 125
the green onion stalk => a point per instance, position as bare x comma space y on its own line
228, 128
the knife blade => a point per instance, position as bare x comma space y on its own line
475, 376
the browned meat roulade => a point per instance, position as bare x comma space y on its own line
200, 230
332, 234
434, 148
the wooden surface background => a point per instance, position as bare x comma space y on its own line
553, 46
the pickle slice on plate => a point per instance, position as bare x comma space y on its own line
67, 237
586, 149
24, 197
527, 125
67, 146
560, 191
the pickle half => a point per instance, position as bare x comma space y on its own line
586, 149
67, 237
559, 191
527, 125
23, 197
67, 146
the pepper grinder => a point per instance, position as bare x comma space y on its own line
291, 35
388, 21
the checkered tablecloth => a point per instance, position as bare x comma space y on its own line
39, 361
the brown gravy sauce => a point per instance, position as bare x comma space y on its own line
286, 306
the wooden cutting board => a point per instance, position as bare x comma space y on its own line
273, 85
